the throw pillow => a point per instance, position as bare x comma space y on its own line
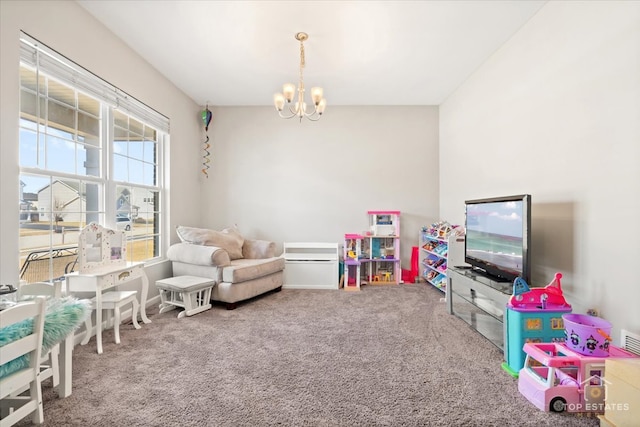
228, 239
191, 235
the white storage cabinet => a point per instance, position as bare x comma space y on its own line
311, 265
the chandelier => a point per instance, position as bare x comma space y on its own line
299, 109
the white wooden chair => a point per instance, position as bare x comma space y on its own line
12, 406
49, 367
115, 300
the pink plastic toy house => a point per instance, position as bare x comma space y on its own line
532, 315
351, 258
556, 378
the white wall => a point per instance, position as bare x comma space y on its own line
70, 30
315, 181
556, 113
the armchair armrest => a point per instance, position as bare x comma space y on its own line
258, 249
198, 254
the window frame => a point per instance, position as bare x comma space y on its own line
47, 62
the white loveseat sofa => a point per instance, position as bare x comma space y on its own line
242, 268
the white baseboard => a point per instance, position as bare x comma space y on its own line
328, 286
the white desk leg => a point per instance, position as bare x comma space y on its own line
64, 362
143, 298
99, 320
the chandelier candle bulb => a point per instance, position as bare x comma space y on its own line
288, 90
316, 95
299, 108
322, 105
278, 100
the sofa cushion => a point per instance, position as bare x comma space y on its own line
183, 269
234, 292
242, 270
228, 239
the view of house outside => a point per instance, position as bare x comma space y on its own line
45, 230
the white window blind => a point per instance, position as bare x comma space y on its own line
46, 59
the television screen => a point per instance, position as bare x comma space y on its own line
497, 236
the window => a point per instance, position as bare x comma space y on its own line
88, 153
557, 323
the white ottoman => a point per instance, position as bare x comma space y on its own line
190, 292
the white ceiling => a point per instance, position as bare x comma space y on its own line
361, 52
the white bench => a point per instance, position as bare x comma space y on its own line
190, 292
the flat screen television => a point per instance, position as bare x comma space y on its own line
498, 236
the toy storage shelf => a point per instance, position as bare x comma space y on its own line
433, 257
436, 254
311, 265
479, 301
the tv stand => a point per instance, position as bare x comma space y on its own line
480, 301
492, 277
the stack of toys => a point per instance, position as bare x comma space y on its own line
440, 229
558, 356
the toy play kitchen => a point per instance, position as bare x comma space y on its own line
532, 315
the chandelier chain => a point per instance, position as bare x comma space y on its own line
301, 65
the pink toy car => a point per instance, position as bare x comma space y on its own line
556, 378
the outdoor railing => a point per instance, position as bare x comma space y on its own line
49, 264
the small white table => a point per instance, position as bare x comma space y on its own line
190, 292
106, 278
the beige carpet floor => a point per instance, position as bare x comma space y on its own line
385, 356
